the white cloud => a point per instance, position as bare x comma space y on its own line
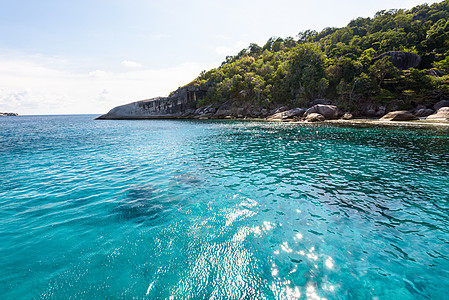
131, 64
34, 86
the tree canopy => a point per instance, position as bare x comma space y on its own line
339, 64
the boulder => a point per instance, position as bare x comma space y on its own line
424, 112
198, 110
402, 60
436, 73
320, 101
315, 117
188, 112
254, 113
381, 111
279, 110
327, 111
276, 116
295, 112
370, 112
399, 115
223, 110
441, 114
211, 110
347, 116
442, 103
264, 112
289, 114
238, 112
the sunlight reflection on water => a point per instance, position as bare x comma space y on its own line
243, 210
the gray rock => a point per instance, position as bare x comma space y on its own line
315, 117
381, 111
279, 110
402, 60
223, 110
436, 73
189, 112
276, 116
176, 105
399, 115
370, 112
295, 112
9, 114
441, 114
442, 103
289, 114
198, 110
320, 101
327, 111
264, 112
424, 112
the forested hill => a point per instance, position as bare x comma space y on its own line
342, 64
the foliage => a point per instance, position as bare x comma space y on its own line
340, 63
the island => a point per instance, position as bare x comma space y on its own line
392, 67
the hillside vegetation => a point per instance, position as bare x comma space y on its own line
339, 64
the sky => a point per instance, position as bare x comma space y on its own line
86, 57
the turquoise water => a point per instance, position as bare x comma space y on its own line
213, 209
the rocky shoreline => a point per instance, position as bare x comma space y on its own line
319, 111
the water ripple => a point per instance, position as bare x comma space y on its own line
212, 209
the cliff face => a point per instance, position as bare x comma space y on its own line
182, 102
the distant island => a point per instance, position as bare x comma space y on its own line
392, 66
8, 114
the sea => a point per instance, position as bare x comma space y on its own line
210, 209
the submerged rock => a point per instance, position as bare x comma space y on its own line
140, 204
399, 115
145, 204
441, 114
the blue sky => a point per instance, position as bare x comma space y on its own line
88, 56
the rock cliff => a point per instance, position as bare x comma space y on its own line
402, 60
180, 103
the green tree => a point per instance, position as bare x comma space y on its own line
383, 68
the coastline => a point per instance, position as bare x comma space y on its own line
352, 122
